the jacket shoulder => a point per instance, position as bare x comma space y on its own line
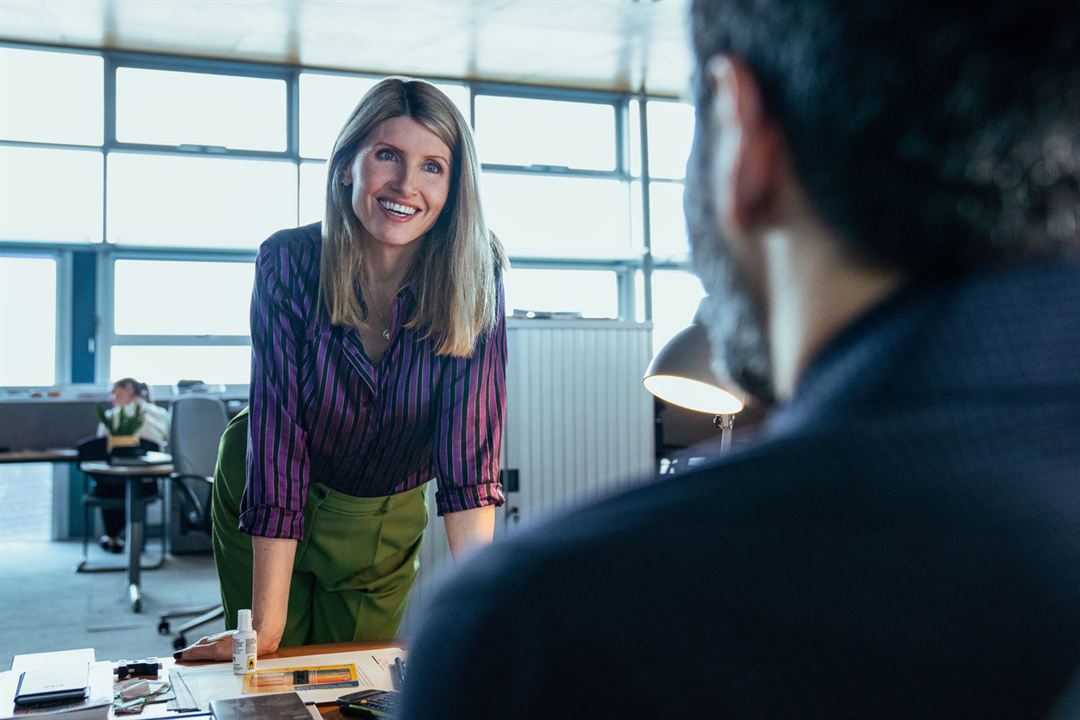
292, 255
297, 240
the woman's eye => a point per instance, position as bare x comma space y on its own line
385, 154
433, 167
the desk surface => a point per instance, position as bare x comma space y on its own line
50, 455
141, 470
328, 710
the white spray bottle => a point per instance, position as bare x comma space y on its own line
244, 644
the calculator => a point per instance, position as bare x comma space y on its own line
369, 704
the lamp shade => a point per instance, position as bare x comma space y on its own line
681, 374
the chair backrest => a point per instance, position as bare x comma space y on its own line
197, 426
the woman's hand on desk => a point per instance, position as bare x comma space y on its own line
217, 648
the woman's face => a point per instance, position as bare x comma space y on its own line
400, 180
122, 395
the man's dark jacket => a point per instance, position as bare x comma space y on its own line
903, 542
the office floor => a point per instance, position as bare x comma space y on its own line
45, 605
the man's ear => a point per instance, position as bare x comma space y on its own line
746, 157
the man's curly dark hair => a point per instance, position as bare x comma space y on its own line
933, 136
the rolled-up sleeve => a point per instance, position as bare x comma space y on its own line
278, 467
469, 425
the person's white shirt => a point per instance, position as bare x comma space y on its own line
156, 421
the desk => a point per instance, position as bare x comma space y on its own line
327, 710
49, 455
136, 515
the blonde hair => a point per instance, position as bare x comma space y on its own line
456, 269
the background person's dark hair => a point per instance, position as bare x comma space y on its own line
936, 137
140, 389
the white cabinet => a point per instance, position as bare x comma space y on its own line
579, 425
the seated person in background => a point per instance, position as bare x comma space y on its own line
884, 204
130, 395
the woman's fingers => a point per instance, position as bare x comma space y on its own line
213, 647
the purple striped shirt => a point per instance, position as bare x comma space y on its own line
320, 409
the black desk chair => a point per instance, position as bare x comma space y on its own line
95, 449
197, 426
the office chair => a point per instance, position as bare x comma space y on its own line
197, 426
93, 449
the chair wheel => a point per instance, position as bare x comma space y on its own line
179, 642
163, 627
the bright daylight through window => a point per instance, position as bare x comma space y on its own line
173, 197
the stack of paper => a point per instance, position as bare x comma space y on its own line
94, 707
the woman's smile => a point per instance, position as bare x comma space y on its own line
399, 211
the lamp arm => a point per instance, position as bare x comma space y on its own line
725, 424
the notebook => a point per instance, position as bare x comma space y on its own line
42, 687
280, 706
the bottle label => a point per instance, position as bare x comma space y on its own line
244, 652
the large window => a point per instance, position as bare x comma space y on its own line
325, 104
215, 297
676, 295
545, 216
28, 316
50, 194
591, 293
51, 97
168, 364
312, 192
51, 191
198, 201
178, 320
164, 107
327, 100
526, 131
670, 130
166, 173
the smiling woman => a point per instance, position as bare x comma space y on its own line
378, 362
407, 143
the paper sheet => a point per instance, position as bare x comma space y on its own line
46, 660
319, 677
216, 682
100, 698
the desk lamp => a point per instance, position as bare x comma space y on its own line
681, 374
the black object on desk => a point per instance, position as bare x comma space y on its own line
397, 674
147, 457
51, 686
369, 704
127, 670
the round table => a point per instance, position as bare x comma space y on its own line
132, 474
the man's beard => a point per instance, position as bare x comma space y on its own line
740, 349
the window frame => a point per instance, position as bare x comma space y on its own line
62, 331
108, 253
106, 302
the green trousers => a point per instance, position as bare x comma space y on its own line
353, 569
